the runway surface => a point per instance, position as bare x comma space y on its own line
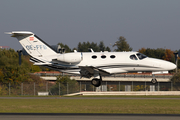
66, 116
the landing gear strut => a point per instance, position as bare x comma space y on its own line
154, 81
96, 82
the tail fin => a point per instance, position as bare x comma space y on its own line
34, 46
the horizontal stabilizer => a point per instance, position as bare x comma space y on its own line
42, 63
19, 33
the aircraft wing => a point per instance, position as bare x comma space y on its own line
89, 71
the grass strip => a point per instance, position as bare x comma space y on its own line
136, 106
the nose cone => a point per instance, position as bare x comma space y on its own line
170, 66
163, 65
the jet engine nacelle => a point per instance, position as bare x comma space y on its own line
70, 57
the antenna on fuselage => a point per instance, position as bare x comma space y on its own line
90, 50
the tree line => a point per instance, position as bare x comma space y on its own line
86, 46
121, 45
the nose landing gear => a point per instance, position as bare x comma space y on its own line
154, 81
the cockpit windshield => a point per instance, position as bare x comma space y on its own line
141, 56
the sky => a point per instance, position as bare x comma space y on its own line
144, 23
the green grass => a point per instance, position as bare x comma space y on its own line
140, 106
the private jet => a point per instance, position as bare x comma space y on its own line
89, 64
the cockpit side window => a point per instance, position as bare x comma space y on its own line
141, 56
133, 57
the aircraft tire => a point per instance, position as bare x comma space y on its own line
154, 81
96, 82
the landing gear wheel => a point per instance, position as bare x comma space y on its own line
154, 81
96, 82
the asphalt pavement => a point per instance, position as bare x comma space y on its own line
76, 116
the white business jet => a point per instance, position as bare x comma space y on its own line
89, 64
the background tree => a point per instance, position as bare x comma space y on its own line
11, 71
94, 46
102, 46
122, 44
142, 50
169, 55
85, 46
107, 49
154, 53
160, 53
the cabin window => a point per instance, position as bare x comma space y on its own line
112, 56
133, 57
94, 56
103, 56
141, 56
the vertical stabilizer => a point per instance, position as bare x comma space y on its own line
34, 46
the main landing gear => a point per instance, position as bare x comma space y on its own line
96, 82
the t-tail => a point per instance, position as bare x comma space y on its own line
40, 52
